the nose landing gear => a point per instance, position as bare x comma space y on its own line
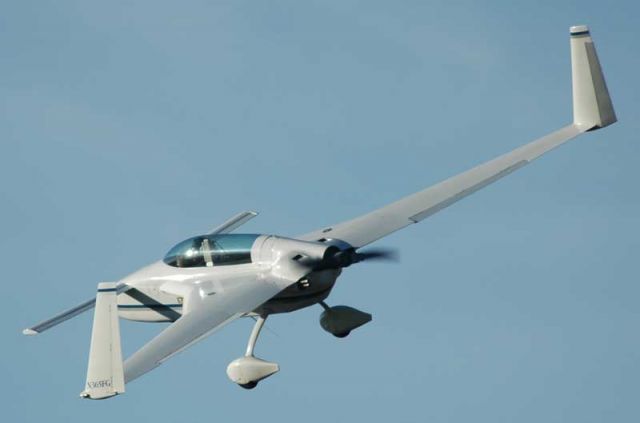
247, 371
341, 320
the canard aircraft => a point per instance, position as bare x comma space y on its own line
207, 281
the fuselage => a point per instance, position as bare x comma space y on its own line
213, 273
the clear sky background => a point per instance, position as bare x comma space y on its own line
128, 126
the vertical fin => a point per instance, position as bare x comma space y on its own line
592, 107
105, 374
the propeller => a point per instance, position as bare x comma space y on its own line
336, 259
377, 254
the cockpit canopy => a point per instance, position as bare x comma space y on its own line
212, 250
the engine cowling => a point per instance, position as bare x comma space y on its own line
269, 249
290, 260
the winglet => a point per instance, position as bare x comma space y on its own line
592, 107
105, 374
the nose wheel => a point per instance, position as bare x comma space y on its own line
248, 370
342, 334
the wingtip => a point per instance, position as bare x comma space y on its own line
29, 332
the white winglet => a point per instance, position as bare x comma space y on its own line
592, 107
105, 374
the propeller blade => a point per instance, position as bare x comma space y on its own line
377, 255
345, 258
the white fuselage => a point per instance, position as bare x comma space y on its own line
147, 301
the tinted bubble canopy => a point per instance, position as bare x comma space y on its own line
212, 250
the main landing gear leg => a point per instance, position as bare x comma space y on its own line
247, 371
253, 338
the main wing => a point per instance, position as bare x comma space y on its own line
211, 314
592, 109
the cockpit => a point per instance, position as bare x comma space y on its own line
212, 250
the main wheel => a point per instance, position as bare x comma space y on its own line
248, 385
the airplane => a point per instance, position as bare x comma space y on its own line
207, 281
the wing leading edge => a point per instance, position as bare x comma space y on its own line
592, 110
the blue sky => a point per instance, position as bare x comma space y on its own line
128, 126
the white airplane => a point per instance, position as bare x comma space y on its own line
207, 281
